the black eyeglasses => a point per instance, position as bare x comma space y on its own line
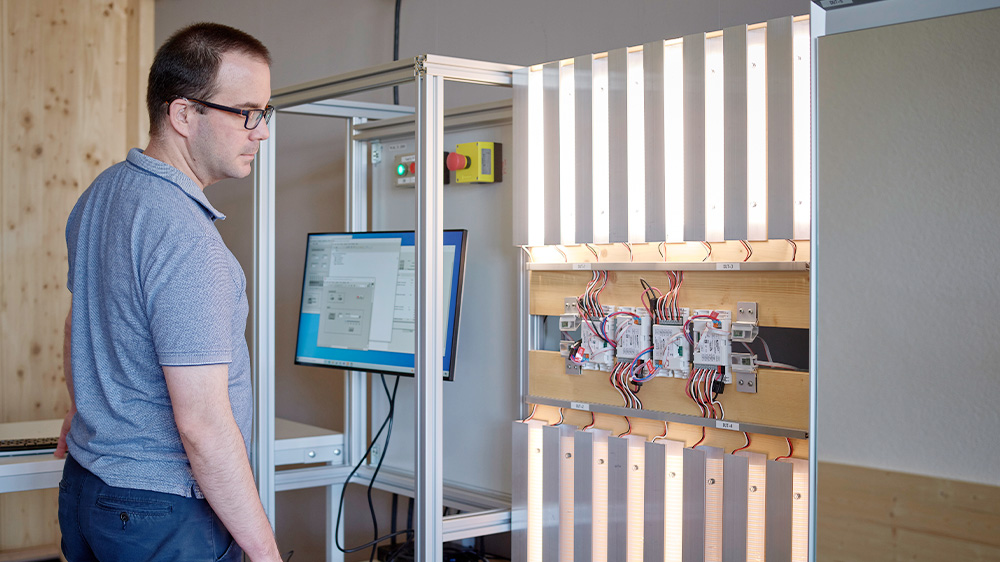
253, 116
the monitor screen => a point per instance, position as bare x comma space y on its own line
359, 301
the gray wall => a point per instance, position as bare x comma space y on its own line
311, 39
906, 260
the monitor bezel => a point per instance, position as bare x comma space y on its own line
461, 255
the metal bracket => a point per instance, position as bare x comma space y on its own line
573, 368
420, 66
745, 328
744, 369
376, 148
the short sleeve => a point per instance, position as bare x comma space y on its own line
191, 299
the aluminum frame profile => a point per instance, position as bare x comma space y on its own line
734, 41
618, 207
778, 517
694, 137
551, 453
652, 80
715, 490
394, 74
734, 508
522, 172
519, 493
583, 496
780, 130
617, 494
583, 105
429, 242
694, 505
655, 504
262, 356
550, 109
428, 72
455, 119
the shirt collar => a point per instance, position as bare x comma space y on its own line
174, 176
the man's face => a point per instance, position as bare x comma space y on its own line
221, 147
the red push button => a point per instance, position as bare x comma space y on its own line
457, 161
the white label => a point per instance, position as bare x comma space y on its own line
727, 425
408, 158
397, 146
584, 265
727, 266
579, 406
835, 3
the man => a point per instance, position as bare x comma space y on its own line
159, 373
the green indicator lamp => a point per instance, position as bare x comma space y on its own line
401, 170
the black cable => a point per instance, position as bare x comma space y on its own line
395, 51
343, 490
395, 508
385, 448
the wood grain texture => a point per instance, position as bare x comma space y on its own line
67, 72
769, 250
872, 514
782, 398
782, 297
728, 440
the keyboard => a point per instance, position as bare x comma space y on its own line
29, 438
32, 446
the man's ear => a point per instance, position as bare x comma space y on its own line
179, 112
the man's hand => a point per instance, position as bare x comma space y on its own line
61, 447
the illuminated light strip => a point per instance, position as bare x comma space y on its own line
636, 157
567, 155
536, 161
801, 133
601, 153
673, 140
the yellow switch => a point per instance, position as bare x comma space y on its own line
476, 162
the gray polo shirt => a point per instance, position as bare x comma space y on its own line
153, 284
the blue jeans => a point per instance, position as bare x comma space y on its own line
101, 523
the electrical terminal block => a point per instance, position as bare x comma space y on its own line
712, 343
744, 368
632, 336
598, 354
569, 323
745, 328
671, 350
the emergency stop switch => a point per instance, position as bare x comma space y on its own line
476, 162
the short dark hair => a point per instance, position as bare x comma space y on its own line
187, 64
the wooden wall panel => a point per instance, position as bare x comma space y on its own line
782, 399
782, 297
870, 514
72, 75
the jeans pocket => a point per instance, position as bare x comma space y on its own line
128, 507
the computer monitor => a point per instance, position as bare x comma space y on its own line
358, 308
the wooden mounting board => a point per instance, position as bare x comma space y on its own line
782, 297
782, 398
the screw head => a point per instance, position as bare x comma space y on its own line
797, 496
711, 481
753, 488
672, 475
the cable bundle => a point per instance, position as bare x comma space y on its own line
619, 379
